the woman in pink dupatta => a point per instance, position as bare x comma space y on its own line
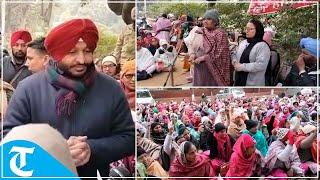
190, 164
245, 160
214, 67
163, 27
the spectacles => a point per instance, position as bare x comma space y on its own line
129, 76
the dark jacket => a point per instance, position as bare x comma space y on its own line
304, 79
10, 69
102, 114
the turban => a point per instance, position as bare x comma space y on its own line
64, 37
129, 66
23, 35
310, 45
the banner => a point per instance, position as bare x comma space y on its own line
260, 7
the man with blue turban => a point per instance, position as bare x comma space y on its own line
304, 71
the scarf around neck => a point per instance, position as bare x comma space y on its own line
70, 91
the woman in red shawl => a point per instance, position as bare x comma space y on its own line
283, 117
220, 145
196, 119
245, 160
213, 68
189, 163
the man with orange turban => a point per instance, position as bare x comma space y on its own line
88, 108
14, 69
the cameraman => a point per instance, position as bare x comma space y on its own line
165, 56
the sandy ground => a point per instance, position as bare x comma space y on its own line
159, 79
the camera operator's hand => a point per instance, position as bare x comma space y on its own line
300, 63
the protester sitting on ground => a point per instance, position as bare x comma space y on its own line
177, 117
237, 124
153, 167
188, 134
282, 159
157, 133
220, 144
245, 160
154, 45
190, 164
145, 62
261, 142
165, 56
110, 67
147, 39
306, 144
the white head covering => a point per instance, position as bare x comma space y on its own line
205, 119
295, 123
282, 132
182, 154
163, 42
308, 128
109, 59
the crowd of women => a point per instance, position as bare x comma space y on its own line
265, 136
217, 58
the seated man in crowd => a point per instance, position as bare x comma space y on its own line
145, 62
164, 56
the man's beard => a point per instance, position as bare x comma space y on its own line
68, 74
19, 57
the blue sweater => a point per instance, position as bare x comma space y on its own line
102, 114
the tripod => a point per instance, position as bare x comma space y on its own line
170, 74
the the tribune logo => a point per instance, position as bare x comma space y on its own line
16, 167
